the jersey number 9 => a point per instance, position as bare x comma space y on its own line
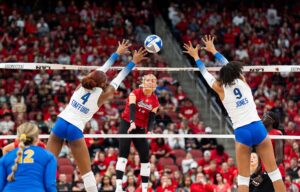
237, 93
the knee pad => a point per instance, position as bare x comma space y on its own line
145, 169
89, 182
121, 164
275, 175
241, 180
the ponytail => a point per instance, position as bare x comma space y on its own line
88, 83
18, 159
27, 133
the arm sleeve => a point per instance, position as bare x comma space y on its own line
210, 79
221, 59
50, 175
132, 108
3, 175
112, 59
122, 74
151, 121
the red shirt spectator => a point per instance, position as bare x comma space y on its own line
159, 148
188, 110
201, 185
219, 155
101, 162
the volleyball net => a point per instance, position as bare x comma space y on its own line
44, 66
254, 69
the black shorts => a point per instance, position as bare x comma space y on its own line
141, 144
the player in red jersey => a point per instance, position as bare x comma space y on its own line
138, 118
271, 122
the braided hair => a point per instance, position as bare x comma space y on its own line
27, 133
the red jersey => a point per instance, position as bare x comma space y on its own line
277, 132
144, 105
274, 132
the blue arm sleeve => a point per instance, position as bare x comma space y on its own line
221, 59
122, 74
50, 175
112, 59
2, 174
207, 76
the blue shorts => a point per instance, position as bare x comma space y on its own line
251, 134
65, 130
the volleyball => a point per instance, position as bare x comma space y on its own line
153, 44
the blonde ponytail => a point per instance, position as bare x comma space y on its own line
27, 132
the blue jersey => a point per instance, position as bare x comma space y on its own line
36, 172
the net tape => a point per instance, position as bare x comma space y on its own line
149, 136
47, 66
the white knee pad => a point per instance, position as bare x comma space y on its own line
89, 182
145, 169
241, 180
275, 175
121, 164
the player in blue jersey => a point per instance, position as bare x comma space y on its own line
28, 168
237, 98
84, 103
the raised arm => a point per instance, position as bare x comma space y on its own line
122, 49
138, 56
210, 47
8, 148
193, 52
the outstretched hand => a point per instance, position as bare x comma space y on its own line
192, 51
208, 40
139, 55
123, 47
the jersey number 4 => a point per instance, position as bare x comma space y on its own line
237, 93
85, 98
28, 157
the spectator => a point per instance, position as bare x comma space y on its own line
174, 143
159, 148
208, 143
272, 16
292, 171
188, 163
100, 163
219, 155
60, 8
221, 184
188, 110
163, 117
185, 186
42, 27
201, 185
7, 125
63, 185
206, 159
106, 184
238, 19
165, 184
19, 106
